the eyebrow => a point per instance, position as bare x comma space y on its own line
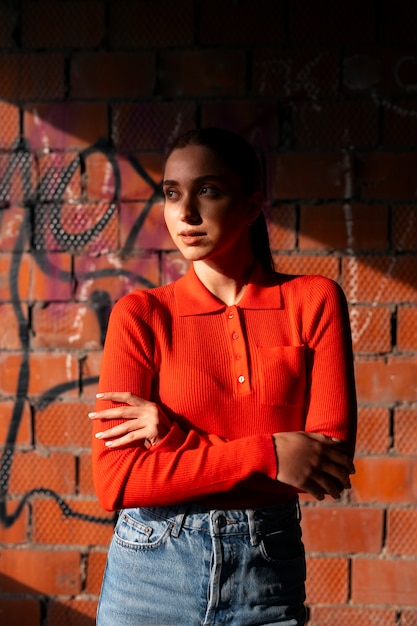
198, 180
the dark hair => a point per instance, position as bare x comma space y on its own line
241, 157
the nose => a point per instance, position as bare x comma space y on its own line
188, 211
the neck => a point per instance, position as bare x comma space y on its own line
228, 284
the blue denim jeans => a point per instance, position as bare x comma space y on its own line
190, 566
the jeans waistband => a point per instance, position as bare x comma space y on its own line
227, 521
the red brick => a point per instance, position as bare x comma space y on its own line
96, 562
298, 73
402, 532
387, 380
12, 325
205, 72
65, 326
138, 24
51, 277
405, 431
240, 23
100, 177
10, 368
140, 176
85, 473
329, 616
47, 24
384, 581
32, 76
327, 580
127, 75
322, 124
386, 70
90, 370
300, 264
64, 125
64, 424
385, 480
51, 526
17, 532
343, 226
71, 612
12, 224
371, 328
406, 327
399, 124
21, 569
115, 275
55, 169
255, 120
380, 280
49, 370
342, 529
32, 470
148, 125
387, 175
19, 611
23, 436
408, 618
18, 174
281, 221
307, 175
404, 226
373, 436
9, 129
152, 234
331, 22
14, 276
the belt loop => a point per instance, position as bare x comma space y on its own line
298, 510
254, 539
179, 522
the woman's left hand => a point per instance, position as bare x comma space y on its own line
144, 422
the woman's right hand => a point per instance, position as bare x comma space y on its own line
313, 463
143, 421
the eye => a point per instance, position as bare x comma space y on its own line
209, 190
170, 194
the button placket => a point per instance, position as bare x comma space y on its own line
238, 346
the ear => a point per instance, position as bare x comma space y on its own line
255, 204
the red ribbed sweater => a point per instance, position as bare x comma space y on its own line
227, 377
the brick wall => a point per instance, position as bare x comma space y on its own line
89, 94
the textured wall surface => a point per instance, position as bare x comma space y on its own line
90, 92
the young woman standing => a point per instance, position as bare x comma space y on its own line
222, 396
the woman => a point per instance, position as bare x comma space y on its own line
222, 396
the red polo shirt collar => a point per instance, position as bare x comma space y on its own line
193, 298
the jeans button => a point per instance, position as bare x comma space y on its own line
221, 521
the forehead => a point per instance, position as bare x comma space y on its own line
194, 162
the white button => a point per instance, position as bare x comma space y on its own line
231, 316
241, 379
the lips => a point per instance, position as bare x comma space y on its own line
191, 237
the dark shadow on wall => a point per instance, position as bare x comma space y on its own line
21, 605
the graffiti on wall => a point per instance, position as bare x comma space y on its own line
48, 225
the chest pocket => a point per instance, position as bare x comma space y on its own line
282, 375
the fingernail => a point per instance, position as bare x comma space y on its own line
337, 440
108, 444
99, 395
92, 414
98, 435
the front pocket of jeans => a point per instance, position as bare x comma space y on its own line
282, 545
131, 532
283, 375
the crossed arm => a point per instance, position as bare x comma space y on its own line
310, 462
